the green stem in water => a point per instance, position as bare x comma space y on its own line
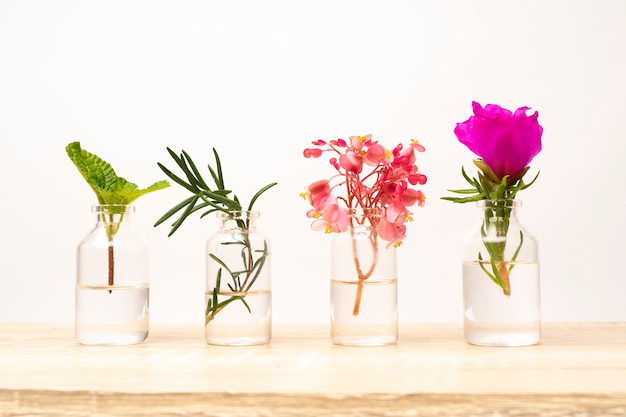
501, 269
239, 290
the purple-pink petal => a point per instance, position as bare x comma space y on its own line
506, 141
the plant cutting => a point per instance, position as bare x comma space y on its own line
371, 180
207, 199
112, 192
505, 143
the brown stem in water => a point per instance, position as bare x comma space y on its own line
111, 265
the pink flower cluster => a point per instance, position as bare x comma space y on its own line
376, 180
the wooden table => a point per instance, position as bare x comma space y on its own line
577, 370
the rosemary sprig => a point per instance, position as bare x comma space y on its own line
209, 200
237, 288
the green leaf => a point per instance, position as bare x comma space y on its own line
525, 186
175, 178
218, 166
198, 177
495, 277
173, 210
464, 191
472, 181
258, 194
99, 174
218, 199
464, 200
486, 169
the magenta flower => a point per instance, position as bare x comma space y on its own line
506, 141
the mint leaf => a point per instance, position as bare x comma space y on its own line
101, 177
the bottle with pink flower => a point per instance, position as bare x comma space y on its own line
365, 206
501, 291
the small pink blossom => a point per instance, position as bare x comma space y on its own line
357, 142
373, 177
332, 219
417, 146
374, 155
312, 153
391, 232
396, 213
409, 197
339, 143
351, 162
319, 195
416, 178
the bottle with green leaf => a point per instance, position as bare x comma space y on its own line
238, 285
112, 279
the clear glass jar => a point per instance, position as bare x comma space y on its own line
501, 294
112, 281
363, 286
238, 285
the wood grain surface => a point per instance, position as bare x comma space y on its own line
576, 370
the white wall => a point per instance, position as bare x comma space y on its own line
258, 80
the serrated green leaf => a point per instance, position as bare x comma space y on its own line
98, 173
110, 189
101, 177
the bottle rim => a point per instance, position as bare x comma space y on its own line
504, 203
364, 212
113, 209
238, 214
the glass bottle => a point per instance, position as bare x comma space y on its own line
238, 286
363, 287
501, 279
112, 281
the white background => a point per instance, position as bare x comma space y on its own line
259, 80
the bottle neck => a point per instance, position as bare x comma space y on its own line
499, 209
364, 218
108, 214
238, 220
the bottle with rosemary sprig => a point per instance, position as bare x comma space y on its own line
238, 286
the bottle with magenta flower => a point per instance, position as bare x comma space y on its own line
501, 297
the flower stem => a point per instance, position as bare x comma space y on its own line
357, 300
503, 270
362, 276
